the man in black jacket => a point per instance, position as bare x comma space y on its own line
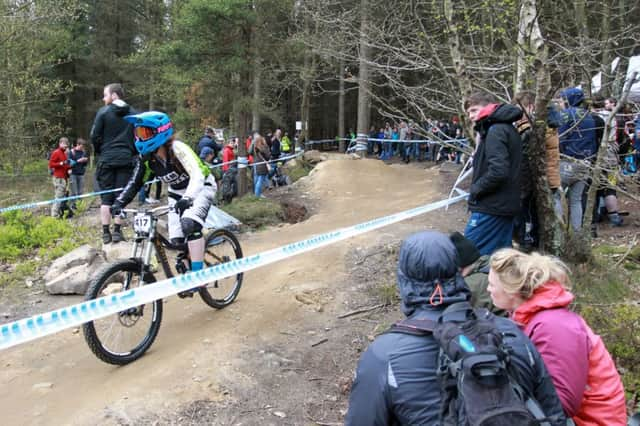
397, 380
113, 143
494, 196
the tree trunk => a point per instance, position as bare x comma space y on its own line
550, 229
581, 22
341, 129
306, 94
528, 28
459, 63
242, 167
605, 68
257, 93
364, 83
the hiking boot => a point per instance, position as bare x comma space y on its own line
117, 237
106, 237
615, 219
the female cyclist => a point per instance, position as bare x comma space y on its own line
192, 188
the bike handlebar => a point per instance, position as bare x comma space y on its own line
156, 211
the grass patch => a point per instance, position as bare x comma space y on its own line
300, 169
386, 293
24, 235
255, 212
604, 297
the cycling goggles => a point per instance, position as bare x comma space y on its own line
144, 133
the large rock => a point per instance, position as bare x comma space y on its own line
315, 156
72, 273
75, 280
121, 250
83, 255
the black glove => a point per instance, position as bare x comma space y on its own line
182, 204
116, 209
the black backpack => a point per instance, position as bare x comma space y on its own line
476, 383
229, 186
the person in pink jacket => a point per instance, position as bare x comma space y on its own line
535, 290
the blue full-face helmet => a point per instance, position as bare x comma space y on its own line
152, 129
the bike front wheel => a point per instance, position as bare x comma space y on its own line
221, 247
123, 337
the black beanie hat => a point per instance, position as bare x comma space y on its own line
467, 250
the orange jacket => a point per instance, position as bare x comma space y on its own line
580, 366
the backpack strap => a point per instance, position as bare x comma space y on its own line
416, 327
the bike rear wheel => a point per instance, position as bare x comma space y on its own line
221, 247
123, 337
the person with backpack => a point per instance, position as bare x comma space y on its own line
535, 290
578, 142
400, 378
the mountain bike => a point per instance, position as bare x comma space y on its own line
123, 337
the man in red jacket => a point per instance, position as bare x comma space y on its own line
60, 165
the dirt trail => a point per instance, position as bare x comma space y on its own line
57, 380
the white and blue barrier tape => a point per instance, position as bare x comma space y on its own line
36, 204
27, 329
463, 142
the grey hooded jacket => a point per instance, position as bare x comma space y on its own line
396, 382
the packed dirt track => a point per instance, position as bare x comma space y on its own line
249, 363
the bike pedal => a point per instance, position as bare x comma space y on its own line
187, 293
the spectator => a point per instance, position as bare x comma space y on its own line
285, 144
526, 224
494, 196
227, 154
607, 194
397, 379
207, 155
262, 155
78, 159
275, 152
208, 140
112, 139
474, 268
535, 289
59, 163
395, 136
370, 142
577, 141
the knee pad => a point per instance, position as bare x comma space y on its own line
191, 228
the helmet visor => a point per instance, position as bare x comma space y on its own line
144, 133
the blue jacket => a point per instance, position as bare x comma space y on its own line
207, 141
396, 381
79, 168
579, 143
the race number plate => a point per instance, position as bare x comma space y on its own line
142, 223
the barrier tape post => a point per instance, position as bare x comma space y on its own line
37, 326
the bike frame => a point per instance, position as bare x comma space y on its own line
144, 245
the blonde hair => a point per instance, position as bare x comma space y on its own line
522, 273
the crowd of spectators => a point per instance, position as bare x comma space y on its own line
419, 373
